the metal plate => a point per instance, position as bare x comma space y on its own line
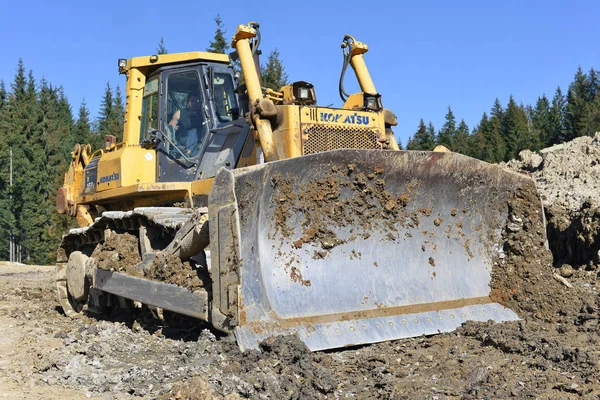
163, 295
348, 237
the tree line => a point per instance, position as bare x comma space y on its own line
38, 127
507, 130
37, 134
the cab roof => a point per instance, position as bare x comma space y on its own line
175, 58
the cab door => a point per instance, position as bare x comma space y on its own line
185, 124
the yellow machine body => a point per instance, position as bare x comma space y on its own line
125, 166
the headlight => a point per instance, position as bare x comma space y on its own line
300, 92
372, 102
122, 65
303, 93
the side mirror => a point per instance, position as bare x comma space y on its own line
151, 140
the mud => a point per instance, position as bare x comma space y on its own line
170, 269
118, 252
566, 174
552, 353
522, 279
43, 351
345, 197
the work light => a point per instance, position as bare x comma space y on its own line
303, 93
372, 102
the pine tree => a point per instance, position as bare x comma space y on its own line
478, 145
20, 83
118, 115
66, 126
558, 130
3, 95
495, 149
161, 49
82, 130
273, 73
515, 130
578, 106
219, 44
36, 122
541, 118
13, 124
22, 121
104, 121
30, 185
593, 86
423, 139
461, 139
446, 135
431, 135
593, 98
534, 140
6, 217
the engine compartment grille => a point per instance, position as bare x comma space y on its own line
319, 138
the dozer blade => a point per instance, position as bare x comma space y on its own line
358, 246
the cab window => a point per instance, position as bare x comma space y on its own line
225, 99
149, 108
186, 124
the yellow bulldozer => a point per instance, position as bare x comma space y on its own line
297, 218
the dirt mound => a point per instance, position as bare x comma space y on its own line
568, 179
522, 275
566, 174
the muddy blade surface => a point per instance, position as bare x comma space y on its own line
359, 246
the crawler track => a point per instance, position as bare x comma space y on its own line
153, 227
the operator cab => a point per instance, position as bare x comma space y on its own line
191, 115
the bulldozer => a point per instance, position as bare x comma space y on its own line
297, 218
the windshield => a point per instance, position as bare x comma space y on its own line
149, 108
186, 128
225, 99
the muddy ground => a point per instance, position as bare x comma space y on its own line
552, 353
46, 355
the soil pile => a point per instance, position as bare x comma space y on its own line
170, 269
568, 179
566, 174
118, 252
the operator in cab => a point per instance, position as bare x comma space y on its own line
189, 125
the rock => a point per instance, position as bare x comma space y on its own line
566, 271
477, 377
531, 161
515, 219
512, 227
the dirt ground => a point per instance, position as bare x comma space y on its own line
45, 355
553, 352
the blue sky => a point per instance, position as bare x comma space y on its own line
424, 56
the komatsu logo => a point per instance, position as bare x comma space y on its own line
108, 178
348, 119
